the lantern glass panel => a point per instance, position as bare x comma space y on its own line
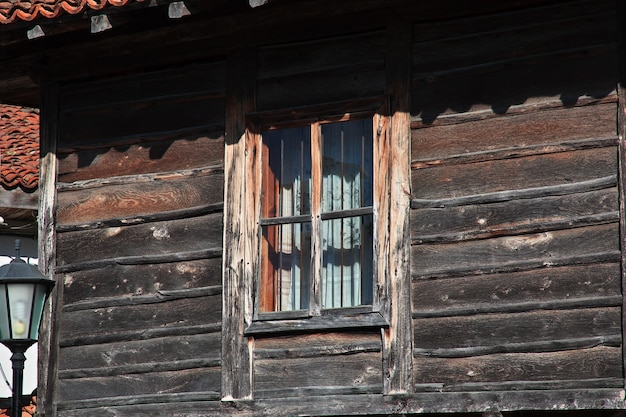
4, 314
41, 294
20, 308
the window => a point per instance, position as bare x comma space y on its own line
315, 191
340, 212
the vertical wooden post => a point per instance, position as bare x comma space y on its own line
237, 290
398, 337
621, 117
48, 345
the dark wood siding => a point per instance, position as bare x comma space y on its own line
512, 256
515, 223
139, 223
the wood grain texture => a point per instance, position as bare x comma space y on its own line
515, 173
516, 131
191, 79
138, 198
155, 350
172, 151
513, 217
151, 238
516, 36
499, 329
48, 345
185, 312
237, 272
113, 280
317, 344
599, 362
191, 380
538, 249
332, 69
515, 291
356, 370
396, 303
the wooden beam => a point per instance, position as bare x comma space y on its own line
49, 332
237, 273
398, 337
621, 133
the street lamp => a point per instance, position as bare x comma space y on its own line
23, 293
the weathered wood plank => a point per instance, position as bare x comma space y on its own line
518, 152
499, 329
598, 362
363, 50
162, 349
237, 379
540, 249
598, 402
162, 237
321, 88
106, 123
146, 279
356, 370
185, 312
497, 292
566, 76
397, 337
316, 345
187, 403
498, 21
516, 173
559, 125
146, 85
140, 368
513, 217
445, 402
192, 380
136, 199
48, 345
175, 151
513, 36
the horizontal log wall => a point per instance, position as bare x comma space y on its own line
515, 223
139, 223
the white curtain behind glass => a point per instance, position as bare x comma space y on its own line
346, 242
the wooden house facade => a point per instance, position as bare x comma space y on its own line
489, 170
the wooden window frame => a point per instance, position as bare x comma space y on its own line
375, 315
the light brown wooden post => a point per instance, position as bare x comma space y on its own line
237, 291
398, 337
48, 345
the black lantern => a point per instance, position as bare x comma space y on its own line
23, 293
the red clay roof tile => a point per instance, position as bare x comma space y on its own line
12, 10
19, 147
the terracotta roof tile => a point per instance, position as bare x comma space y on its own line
19, 147
12, 10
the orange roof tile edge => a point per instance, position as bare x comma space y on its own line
19, 148
11, 11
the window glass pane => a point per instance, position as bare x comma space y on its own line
286, 172
347, 166
347, 258
347, 183
285, 267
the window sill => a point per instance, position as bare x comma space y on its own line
329, 320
